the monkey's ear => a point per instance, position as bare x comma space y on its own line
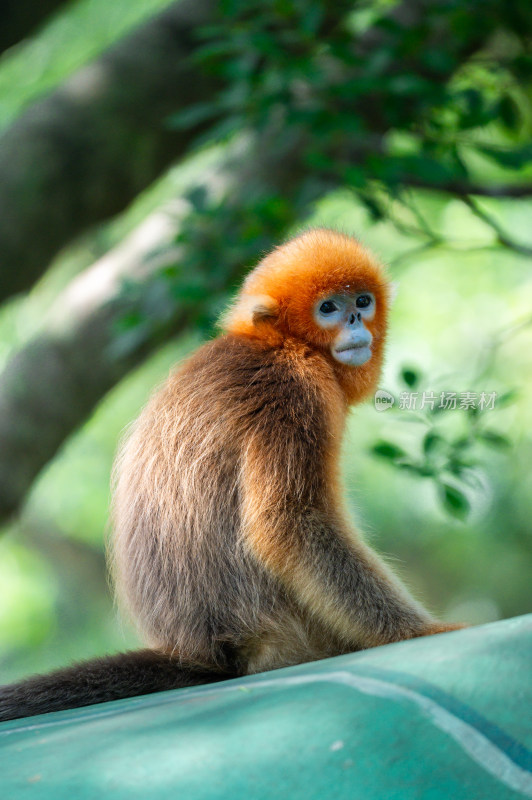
393, 291
249, 310
262, 308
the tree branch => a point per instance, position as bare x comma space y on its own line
462, 188
502, 237
52, 384
84, 152
21, 17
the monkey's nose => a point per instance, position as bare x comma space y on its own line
354, 317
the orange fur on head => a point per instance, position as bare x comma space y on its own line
277, 300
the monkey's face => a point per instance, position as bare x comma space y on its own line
323, 289
345, 317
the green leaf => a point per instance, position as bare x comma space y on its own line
511, 159
423, 470
388, 450
312, 19
462, 443
410, 376
522, 65
459, 466
355, 176
192, 116
190, 293
433, 170
431, 441
509, 112
373, 207
507, 398
454, 500
494, 439
198, 198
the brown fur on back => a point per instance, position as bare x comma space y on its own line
181, 563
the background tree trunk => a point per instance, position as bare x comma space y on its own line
51, 385
21, 17
84, 152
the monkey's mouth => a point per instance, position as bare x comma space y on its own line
347, 347
353, 354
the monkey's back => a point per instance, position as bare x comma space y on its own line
180, 563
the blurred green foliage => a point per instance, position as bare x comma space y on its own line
69, 39
398, 108
390, 154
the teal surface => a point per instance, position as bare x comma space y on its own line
447, 716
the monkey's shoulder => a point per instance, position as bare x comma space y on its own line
238, 371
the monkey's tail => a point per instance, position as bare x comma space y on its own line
101, 679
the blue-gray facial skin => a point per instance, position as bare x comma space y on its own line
348, 313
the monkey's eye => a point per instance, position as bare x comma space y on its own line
328, 307
363, 301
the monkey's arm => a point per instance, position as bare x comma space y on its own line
294, 526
